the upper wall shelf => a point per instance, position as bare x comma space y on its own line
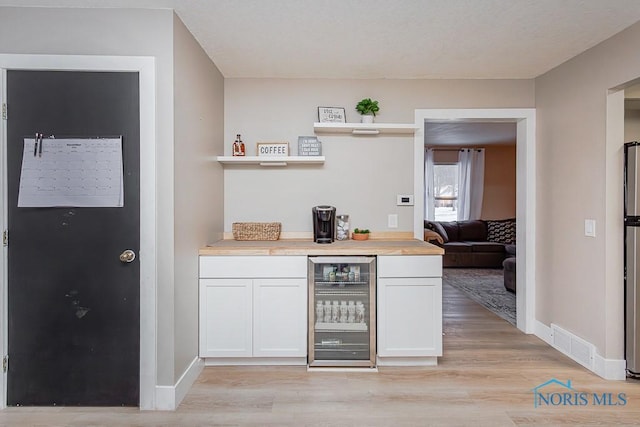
270, 161
365, 128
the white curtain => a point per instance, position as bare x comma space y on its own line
470, 183
429, 201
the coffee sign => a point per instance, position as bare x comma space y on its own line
273, 149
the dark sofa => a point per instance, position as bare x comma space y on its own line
475, 243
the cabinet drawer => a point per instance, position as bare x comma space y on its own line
410, 266
253, 266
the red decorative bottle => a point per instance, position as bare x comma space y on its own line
238, 146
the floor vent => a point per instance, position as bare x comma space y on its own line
573, 346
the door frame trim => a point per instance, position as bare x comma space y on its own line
525, 119
145, 66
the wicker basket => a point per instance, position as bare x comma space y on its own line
256, 230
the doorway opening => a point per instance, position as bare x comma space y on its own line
524, 120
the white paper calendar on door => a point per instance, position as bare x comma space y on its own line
71, 172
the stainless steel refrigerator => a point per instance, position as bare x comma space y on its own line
632, 256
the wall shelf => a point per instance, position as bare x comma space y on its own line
365, 128
270, 161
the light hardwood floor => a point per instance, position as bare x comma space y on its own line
485, 378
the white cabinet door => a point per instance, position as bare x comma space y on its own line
280, 317
225, 317
409, 317
253, 306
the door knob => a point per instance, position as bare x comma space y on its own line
127, 256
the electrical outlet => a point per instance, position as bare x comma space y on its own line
393, 221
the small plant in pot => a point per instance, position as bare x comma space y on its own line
368, 109
360, 234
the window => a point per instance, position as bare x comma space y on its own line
445, 190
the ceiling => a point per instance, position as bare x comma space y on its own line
400, 39
465, 134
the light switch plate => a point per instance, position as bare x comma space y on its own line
393, 221
590, 227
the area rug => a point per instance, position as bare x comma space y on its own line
484, 286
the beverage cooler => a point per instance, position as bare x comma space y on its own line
342, 315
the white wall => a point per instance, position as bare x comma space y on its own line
199, 115
362, 175
573, 290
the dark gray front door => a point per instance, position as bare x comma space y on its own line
73, 305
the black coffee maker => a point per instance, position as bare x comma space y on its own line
324, 224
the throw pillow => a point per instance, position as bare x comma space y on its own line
502, 231
472, 230
451, 228
437, 227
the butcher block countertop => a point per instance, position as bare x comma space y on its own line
308, 247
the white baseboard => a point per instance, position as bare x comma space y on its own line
542, 331
609, 369
407, 361
165, 398
255, 361
168, 398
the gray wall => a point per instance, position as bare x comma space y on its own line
579, 283
199, 116
362, 175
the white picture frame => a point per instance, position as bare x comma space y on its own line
331, 115
272, 149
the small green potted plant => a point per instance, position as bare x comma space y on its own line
360, 234
368, 109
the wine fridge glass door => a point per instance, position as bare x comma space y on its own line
342, 311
